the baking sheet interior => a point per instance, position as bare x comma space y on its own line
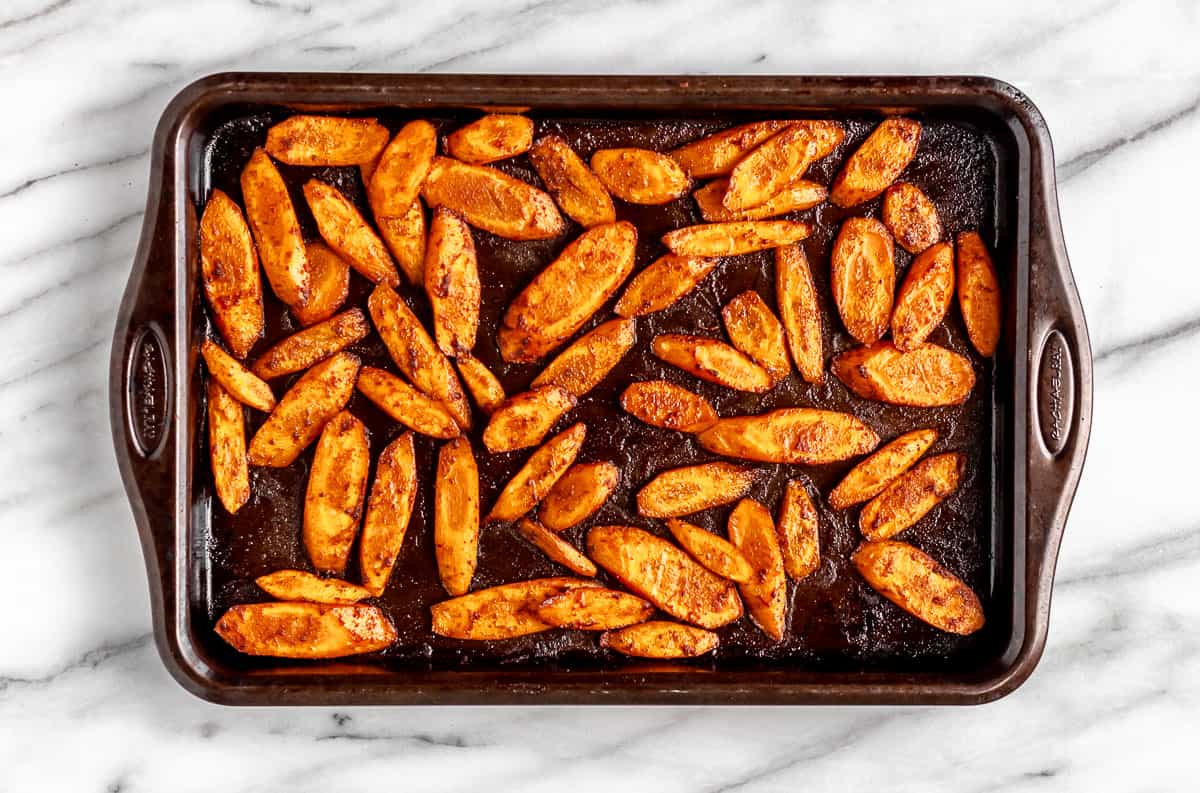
836, 622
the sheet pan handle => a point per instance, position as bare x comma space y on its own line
1059, 384
148, 388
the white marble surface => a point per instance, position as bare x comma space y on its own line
85, 703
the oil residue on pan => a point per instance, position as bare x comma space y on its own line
836, 621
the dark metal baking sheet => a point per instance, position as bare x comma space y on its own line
845, 643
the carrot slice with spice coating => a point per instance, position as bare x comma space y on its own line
693, 488
928, 376
452, 283
876, 163
805, 436
734, 237
328, 282
484, 386
229, 267
404, 236
924, 296
662, 404
666, 576
715, 553
492, 200
555, 547
755, 331
496, 136
863, 272
640, 176
799, 535
326, 140
915, 582
303, 586
911, 496
523, 420
978, 293
800, 194
415, 353
406, 404
227, 448
776, 162
501, 612
662, 282
347, 232
389, 510
337, 485
717, 154
242, 384
577, 496
712, 360
752, 532
564, 295
800, 311
868, 479
456, 516
578, 191
393, 186
661, 639
313, 344
402, 169
911, 217
272, 218
305, 630
539, 474
594, 609
301, 413
584, 365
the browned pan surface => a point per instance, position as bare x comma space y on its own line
836, 622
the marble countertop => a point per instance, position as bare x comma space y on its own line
85, 703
